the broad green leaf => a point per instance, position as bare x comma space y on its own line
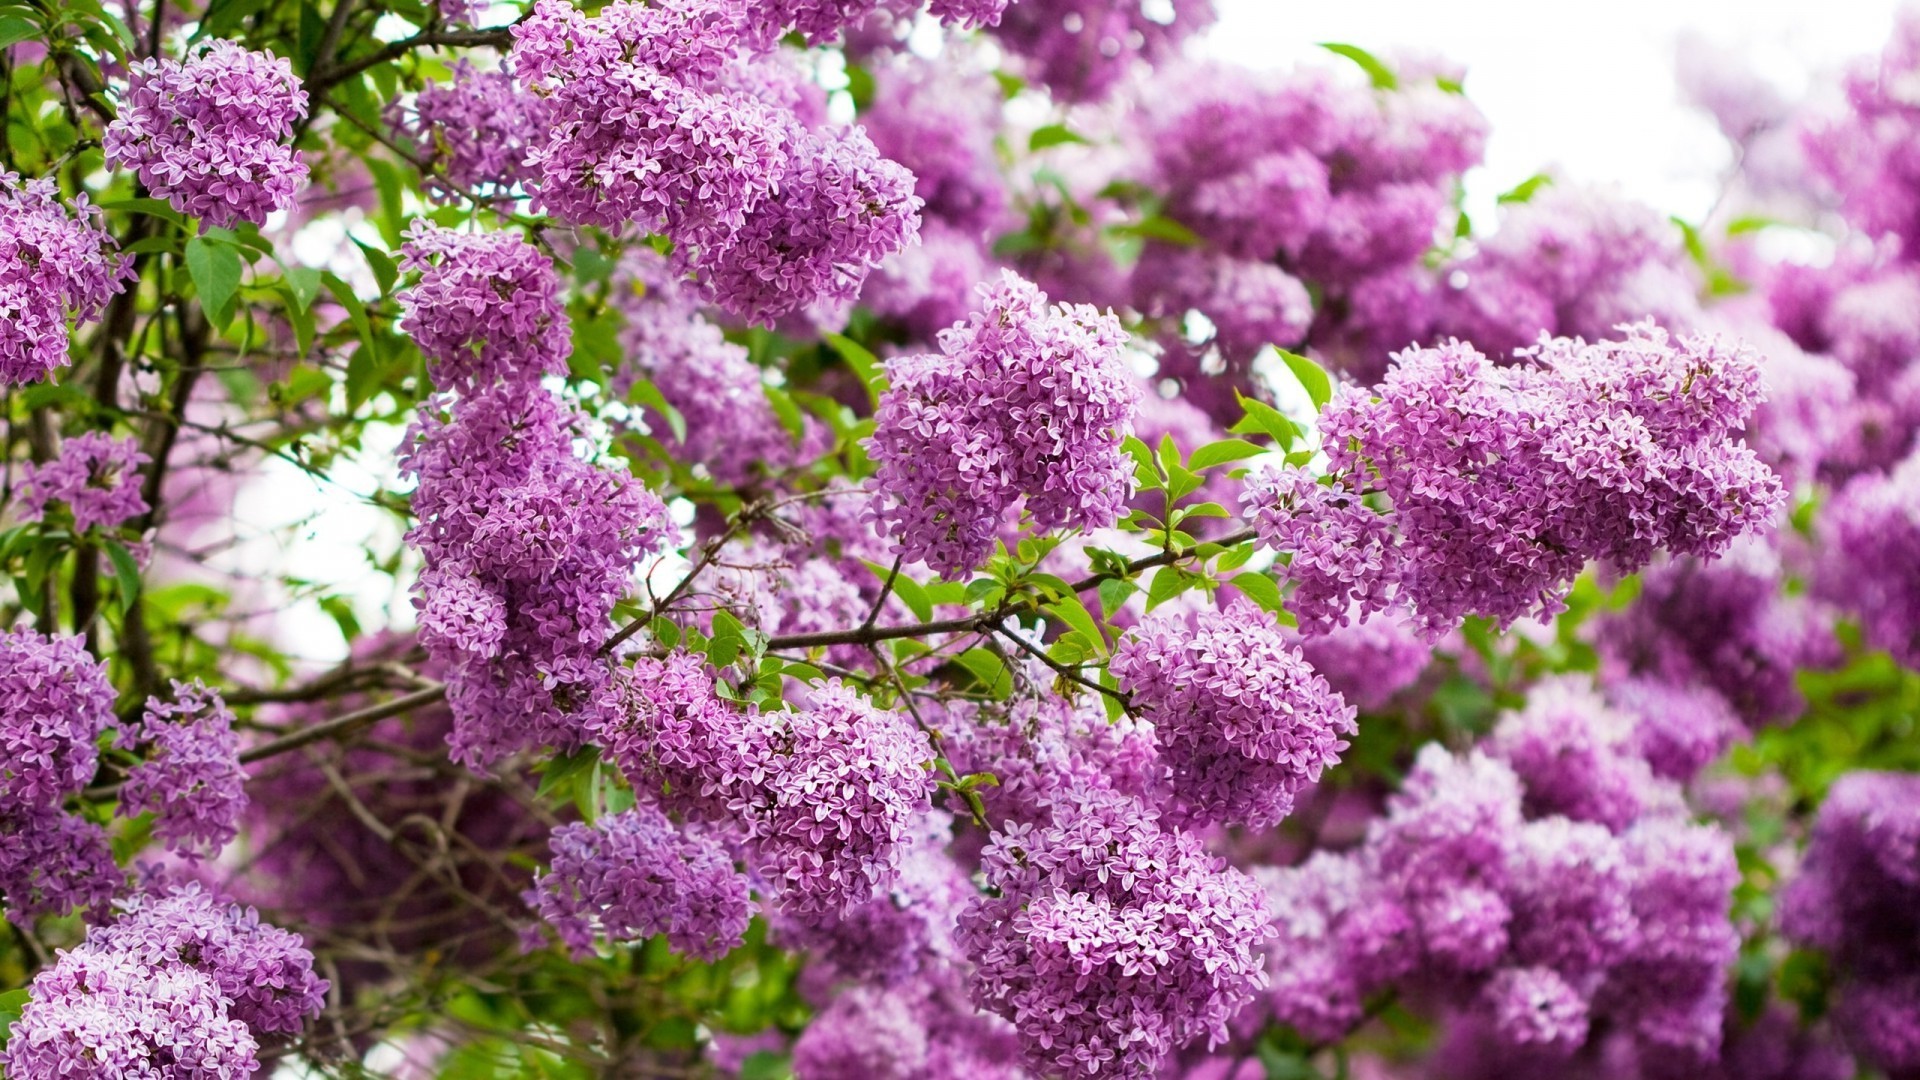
1071, 611
14, 30
1113, 593
1168, 582
1219, 453
645, 393
904, 587
989, 671
1526, 189
215, 269
1054, 135
1264, 419
126, 574
1311, 375
1258, 588
864, 364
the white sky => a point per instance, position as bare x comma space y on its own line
1588, 87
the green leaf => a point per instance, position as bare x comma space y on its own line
47, 395
1156, 227
159, 208
1525, 190
908, 590
1054, 135
1258, 588
1264, 419
385, 272
1219, 453
1146, 470
645, 393
560, 774
989, 671
863, 363
1168, 582
1382, 75
1071, 611
215, 269
126, 574
786, 411
14, 30
1311, 375
1113, 593
303, 284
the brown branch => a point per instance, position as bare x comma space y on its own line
326, 78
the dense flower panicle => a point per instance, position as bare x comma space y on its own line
1568, 262
1110, 940
1339, 935
52, 862
55, 703
96, 475
1870, 556
731, 427
1576, 756
57, 261
1678, 729
1342, 555
672, 737
635, 874
1025, 399
1568, 885
191, 777
213, 136
98, 1015
940, 124
487, 308
1504, 482
904, 932
1536, 1008
929, 286
866, 1032
474, 133
546, 544
1082, 49
265, 972
828, 795
1240, 717
1864, 149
1370, 660
1857, 896
1248, 304
1038, 747
841, 210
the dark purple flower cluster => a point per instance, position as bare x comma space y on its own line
181, 985
213, 136
940, 122
190, 775
1042, 745
1503, 483
924, 1030
1544, 929
636, 874
96, 475
1109, 940
1025, 399
653, 122
1857, 897
1241, 719
474, 133
56, 261
527, 545
55, 704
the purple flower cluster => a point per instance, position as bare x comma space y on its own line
1080, 50
1864, 150
825, 796
527, 545
213, 136
190, 775
940, 122
1241, 719
1369, 661
1040, 746
1870, 555
1108, 940
96, 475
1857, 897
829, 794
1339, 554
1544, 929
1025, 399
474, 133
649, 123
1724, 627
55, 704
486, 309
923, 1030
181, 985
731, 427
1577, 757
1504, 482
634, 875
56, 261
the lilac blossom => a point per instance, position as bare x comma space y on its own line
96, 476
190, 776
213, 136
57, 261
487, 308
474, 132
